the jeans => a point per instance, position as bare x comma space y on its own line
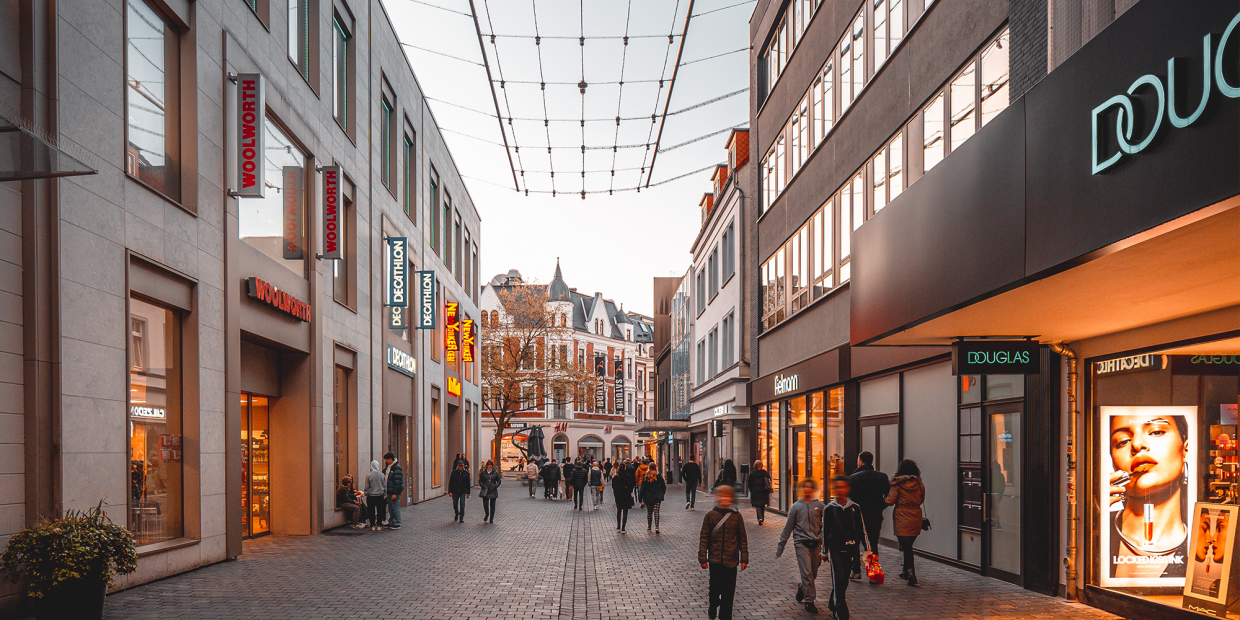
722, 589
393, 511
352, 512
488, 508
841, 564
548, 489
598, 495
873, 523
808, 561
652, 515
579, 499
761, 510
906, 545
532, 482
691, 493
568, 490
376, 509
622, 518
458, 505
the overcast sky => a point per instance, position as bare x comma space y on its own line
615, 243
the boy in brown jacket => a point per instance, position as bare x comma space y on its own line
722, 546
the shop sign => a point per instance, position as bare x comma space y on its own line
454, 387
467, 340
332, 228
716, 428
170, 448
398, 282
267, 293
148, 413
619, 384
1142, 531
1209, 365
600, 386
451, 327
426, 300
1211, 582
401, 362
995, 357
1127, 113
293, 195
1125, 365
250, 137
786, 385
721, 410
607, 430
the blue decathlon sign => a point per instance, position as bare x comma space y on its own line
425, 318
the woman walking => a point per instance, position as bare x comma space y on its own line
760, 490
376, 496
907, 495
727, 475
653, 491
596, 484
622, 489
489, 481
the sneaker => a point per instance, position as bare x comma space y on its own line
800, 594
811, 608
855, 576
656, 530
648, 529
393, 527
686, 505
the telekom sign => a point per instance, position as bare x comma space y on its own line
332, 228
250, 108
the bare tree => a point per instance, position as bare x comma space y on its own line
527, 357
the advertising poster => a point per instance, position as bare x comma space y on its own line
1145, 453
1208, 586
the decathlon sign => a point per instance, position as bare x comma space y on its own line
401, 362
1149, 97
426, 300
398, 288
250, 108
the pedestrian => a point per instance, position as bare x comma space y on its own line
842, 529
395, 486
347, 500
869, 490
596, 484
727, 475
760, 490
804, 524
531, 475
691, 474
580, 477
640, 476
566, 474
458, 488
722, 546
376, 500
607, 470
907, 495
550, 476
622, 489
653, 490
489, 482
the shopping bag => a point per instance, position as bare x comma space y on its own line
873, 569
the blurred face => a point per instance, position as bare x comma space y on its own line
1150, 448
840, 489
725, 498
809, 491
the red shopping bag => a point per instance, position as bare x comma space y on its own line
874, 570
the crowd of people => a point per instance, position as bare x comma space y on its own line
379, 504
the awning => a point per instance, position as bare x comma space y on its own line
590, 441
23, 156
620, 439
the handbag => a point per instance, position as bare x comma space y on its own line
925, 520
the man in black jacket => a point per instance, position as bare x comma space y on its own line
842, 530
691, 474
551, 475
567, 471
458, 488
395, 486
869, 490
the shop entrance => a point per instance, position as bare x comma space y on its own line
398, 444
990, 475
255, 465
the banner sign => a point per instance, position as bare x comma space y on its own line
467, 340
292, 196
401, 362
619, 385
332, 227
994, 357
267, 293
451, 328
1208, 365
250, 135
600, 387
1209, 588
426, 300
1144, 454
398, 283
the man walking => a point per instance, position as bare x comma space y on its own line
691, 473
458, 488
567, 472
395, 486
804, 524
550, 476
869, 491
722, 546
531, 475
842, 530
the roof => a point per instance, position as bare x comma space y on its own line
583, 305
559, 290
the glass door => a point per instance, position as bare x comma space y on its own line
255, 465
800, 460
1002, 500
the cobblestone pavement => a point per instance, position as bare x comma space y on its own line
542, 559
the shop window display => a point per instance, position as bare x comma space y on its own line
255, 465
155, 467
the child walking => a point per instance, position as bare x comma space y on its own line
804, 524
842, 530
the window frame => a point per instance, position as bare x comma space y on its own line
409, 173
306, 64
344, 76
434, 210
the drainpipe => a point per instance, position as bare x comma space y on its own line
1070, 561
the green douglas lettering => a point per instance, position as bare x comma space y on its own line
1228, 360
998, 357
1126, 115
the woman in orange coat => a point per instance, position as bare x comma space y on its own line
907, 494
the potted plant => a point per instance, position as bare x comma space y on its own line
69, 563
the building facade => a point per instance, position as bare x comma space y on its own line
202, 321
671, 448
603, 336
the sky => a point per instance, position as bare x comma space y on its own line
614, 244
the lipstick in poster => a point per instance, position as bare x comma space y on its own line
1149, 523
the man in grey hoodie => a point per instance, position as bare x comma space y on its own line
804, 524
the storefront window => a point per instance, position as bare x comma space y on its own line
817, 426
255, 465
155, 470
620, 449
835, 432
999, 387
773, 465
1166, 486
261, 220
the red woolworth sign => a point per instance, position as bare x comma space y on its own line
331, 213
267, 293
467, 341
451, 327
250, 135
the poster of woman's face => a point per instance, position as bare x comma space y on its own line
1147, 489
1213, 542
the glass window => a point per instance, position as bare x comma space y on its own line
385, 141
895, 167
781, 172
255, 464
436, 442
878, 168
858, 201
817, 428
932, 132
299, 35
823, 259
963, 105
456, 238
407, 173
994, 77
835, 432
801, 133
880, 34
774, 465
846, 82
151, 111
768, 180
155, 457
340, 71
824, 113
260, 221
858, 58
895, 24
799, 276
1004, 386
434, 209
970, 388
341, 269
447, 231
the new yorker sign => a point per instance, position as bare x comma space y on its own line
1162, 101
994, 357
